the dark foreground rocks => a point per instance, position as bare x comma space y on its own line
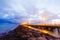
21, 33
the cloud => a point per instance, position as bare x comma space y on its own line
17, 10
56, 21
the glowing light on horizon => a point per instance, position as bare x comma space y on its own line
43, 19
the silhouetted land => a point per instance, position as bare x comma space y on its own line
21, 33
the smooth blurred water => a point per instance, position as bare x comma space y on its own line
6, 27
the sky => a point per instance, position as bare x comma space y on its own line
33, 10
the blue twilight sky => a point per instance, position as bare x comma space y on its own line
33, 10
